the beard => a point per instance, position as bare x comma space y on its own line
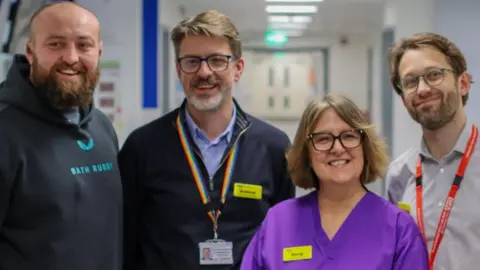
62, 93
206, 102
432, 118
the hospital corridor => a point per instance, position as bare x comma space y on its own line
239, 135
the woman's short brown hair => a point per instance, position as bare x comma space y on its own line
421, 40
374, 149
210, 23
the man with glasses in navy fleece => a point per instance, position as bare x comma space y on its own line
204, 175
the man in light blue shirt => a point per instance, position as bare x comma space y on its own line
212, 150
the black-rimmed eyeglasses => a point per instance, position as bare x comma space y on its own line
433, 77
324, 141
191, 64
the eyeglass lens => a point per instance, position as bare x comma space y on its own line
325, 141
192, 64
433, 77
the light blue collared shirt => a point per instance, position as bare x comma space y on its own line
212, 151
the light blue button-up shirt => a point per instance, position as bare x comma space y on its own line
212, 151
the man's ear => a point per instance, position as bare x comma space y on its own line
29, 51
464, 83
240, 67
100, 48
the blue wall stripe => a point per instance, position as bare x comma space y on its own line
150, 53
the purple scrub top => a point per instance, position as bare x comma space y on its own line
377, 235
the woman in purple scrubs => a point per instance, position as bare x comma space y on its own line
340, 225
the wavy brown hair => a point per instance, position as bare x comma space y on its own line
374, 149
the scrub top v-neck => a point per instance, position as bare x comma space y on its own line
376, 235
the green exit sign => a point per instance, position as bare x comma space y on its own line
275, 38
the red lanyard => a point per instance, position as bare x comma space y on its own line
442, 223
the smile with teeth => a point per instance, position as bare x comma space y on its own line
338, 162
68, 72
205, 86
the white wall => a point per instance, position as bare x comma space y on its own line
376, 105
169, 13
348, 72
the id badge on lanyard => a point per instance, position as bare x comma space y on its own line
442, 223
214, 251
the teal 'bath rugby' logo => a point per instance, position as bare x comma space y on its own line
85, 147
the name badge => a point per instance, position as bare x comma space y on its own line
247, 191
404, 206
216, 252
297, 253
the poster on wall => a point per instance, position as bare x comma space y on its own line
107, 94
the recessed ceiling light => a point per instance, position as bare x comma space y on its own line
279, 19
288, 26
291, 9
289, 19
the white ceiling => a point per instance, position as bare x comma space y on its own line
334, 17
